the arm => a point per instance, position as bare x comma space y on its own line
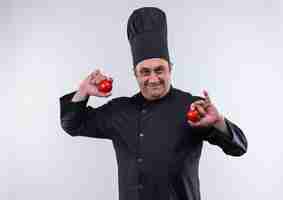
216, 129
77, 119
233, 142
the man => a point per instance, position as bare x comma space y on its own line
157, 148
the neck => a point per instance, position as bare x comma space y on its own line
157, 98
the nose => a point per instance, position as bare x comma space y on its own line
153, 78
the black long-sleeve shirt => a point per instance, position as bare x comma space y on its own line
157, 151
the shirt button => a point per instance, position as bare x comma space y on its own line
143, 111
140, 186
139, 160
141, 134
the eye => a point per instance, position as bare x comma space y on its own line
159, 70
145, 72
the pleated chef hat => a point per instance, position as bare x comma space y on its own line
147, 34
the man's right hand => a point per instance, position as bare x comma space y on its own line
89, 86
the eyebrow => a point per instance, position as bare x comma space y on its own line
157, 67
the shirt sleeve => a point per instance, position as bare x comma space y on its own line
78, 119
234, 143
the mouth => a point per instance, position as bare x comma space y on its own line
154, 86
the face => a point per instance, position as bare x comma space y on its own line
154, 77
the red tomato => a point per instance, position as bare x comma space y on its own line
105, 86
193, 116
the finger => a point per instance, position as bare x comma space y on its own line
111, 79
97, 76
92, 81
92, 78
94, 74
89, 78
206, 96
100, 78
203, 104
108, 94
194, 124
105, 94
198, 102
200, 110
93, 91
86, 80
192, 107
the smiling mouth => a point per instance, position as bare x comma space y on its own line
155, 86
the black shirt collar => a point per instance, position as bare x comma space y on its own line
140, 100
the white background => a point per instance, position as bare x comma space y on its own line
231, 48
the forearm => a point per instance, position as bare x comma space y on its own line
79, 96
72, 107
78, 119
232, 140
222, 126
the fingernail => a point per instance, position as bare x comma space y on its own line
206, 93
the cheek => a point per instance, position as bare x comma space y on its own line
142, 82
162, 79
167, 78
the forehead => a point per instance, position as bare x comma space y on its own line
151, 63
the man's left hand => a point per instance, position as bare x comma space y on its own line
209, 115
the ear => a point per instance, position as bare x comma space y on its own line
134, 71
170, 67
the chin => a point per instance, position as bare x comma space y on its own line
154, 94
157, 95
